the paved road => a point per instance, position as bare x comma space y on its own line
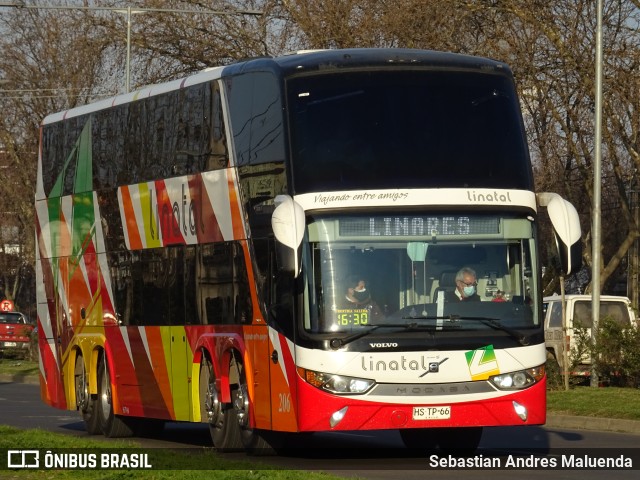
371, 455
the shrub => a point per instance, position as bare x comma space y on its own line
617, 354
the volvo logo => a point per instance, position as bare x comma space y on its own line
384, 345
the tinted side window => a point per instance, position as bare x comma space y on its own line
257, 118
149, 286
222, 284
109, 159
255, 106
64, 147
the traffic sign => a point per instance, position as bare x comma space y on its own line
6, 305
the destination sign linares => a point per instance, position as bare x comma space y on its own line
418, 226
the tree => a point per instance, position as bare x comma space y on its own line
50, 62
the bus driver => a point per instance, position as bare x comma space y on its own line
466, 283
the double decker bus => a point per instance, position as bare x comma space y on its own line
271, 247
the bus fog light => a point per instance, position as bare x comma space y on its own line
337, 417
521, 411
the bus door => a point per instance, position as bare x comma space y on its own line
257, 343
181, 354
281, 357
181, 359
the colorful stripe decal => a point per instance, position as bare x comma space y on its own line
183, 210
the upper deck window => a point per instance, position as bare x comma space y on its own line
411, 129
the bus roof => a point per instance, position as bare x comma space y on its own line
298, 63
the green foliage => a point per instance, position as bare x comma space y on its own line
617, 354
19, 367
581, 352
554, 375
614, 354
610, 402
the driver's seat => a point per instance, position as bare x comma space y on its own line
447, 284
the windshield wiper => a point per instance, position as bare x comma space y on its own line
495, 324
336, 343
451, 318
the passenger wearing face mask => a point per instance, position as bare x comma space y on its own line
466, 286
357, 293
358, 296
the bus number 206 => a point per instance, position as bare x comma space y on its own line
285, 403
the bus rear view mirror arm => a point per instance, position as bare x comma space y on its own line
566, 226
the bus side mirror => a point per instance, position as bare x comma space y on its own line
288, 222
566, 226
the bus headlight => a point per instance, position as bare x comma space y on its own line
518, 380
338, 384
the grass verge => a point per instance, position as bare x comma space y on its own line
17, 366
607, 402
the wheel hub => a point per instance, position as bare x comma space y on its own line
241, 405
213, 406
82, 392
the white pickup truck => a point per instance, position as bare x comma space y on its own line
578, 312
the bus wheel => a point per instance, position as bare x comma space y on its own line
112, 425
85, 403
221, 418
419, 438
461, 440
256, 442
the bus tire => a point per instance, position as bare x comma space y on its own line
419, 438
145, 427
221, 418
255, 441
86, 403
112, 425
459, 440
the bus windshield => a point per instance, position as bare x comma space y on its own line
406, 129
367, 270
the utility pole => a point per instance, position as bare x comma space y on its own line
597, 194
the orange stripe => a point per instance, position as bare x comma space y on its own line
236, 217
135, 243
158, 359
252, 285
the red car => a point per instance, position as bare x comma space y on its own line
15, 334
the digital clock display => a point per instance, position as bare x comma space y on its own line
352, 317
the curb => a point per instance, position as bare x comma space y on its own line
570, 422
29, 379
593, 423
